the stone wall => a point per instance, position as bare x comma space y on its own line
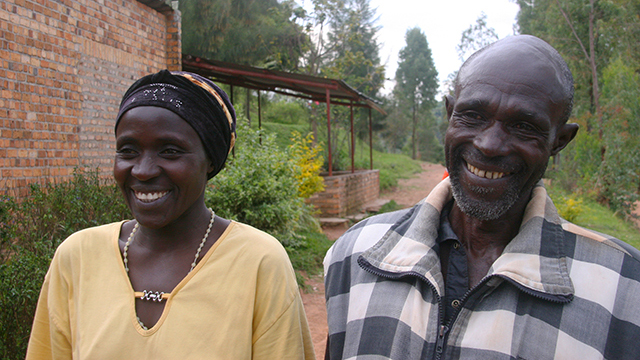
345, 192
64, 66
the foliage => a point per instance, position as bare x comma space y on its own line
620, 170
476, 37
394, 167
416, 87
569, 207
598, 217
345, 48
308, 256
389, 207
308, 159
355, 57
259, 187
31, 230
598, 39
286, 112
249, 32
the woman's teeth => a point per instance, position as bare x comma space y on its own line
149, 197
483, 173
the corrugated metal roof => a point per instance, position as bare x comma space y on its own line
298, 85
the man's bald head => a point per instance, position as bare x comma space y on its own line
523, 48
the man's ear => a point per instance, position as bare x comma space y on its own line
565, 134
449, 102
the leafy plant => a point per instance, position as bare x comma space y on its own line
307, 157
569, 207
30, 231
259, 187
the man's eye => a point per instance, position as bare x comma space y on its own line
473, 116
524, 126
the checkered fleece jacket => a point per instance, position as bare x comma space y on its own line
557, 292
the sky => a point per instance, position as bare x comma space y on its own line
442, 21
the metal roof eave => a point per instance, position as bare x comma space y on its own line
314, 87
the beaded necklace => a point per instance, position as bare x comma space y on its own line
159, 295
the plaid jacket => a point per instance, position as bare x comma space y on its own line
558, 291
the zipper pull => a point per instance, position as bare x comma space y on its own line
440, 342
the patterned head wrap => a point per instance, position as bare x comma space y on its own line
197, 100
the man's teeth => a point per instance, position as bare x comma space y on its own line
483, 173
148, 197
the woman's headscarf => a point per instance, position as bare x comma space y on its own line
197, 100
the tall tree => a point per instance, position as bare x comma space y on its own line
355, 52
251, 32
599, 41
475, 37
587, 34
416, 81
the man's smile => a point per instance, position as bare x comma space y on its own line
485, 173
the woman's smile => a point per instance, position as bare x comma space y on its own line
149, 196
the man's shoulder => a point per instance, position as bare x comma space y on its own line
364, 235
594, 252
604, 241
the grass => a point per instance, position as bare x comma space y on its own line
308, 258
598, 217
394, 167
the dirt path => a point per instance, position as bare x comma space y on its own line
408, 192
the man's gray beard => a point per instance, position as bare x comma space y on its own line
487, 210
484, 210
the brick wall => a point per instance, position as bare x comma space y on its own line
345, 192
64, 66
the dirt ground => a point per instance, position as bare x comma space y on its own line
406, 194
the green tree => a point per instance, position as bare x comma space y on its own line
588, 35
355, 57
344, 47
416, 82
262, 33
598, 39
475, 37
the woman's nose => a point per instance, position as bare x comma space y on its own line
145, 169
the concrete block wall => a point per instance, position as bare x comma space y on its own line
345, 192
64, 66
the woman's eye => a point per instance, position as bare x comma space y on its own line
125, 152
170, 151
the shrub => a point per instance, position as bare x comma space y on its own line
31, 229
569, 207
307, 157
259, 187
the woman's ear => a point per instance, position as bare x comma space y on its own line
565, 134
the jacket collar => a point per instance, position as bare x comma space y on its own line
533, 260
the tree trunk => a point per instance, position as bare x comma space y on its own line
594, 69
248, 107
413, 134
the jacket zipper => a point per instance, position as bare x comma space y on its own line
443, 330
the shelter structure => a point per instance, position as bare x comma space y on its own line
313, 88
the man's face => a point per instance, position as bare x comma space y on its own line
502, 130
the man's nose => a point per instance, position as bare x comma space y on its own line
492, 141
145, 169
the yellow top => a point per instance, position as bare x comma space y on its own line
240, 302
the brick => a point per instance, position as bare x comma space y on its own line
63, 67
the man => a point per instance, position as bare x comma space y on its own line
484, 268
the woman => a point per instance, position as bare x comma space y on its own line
177, 282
